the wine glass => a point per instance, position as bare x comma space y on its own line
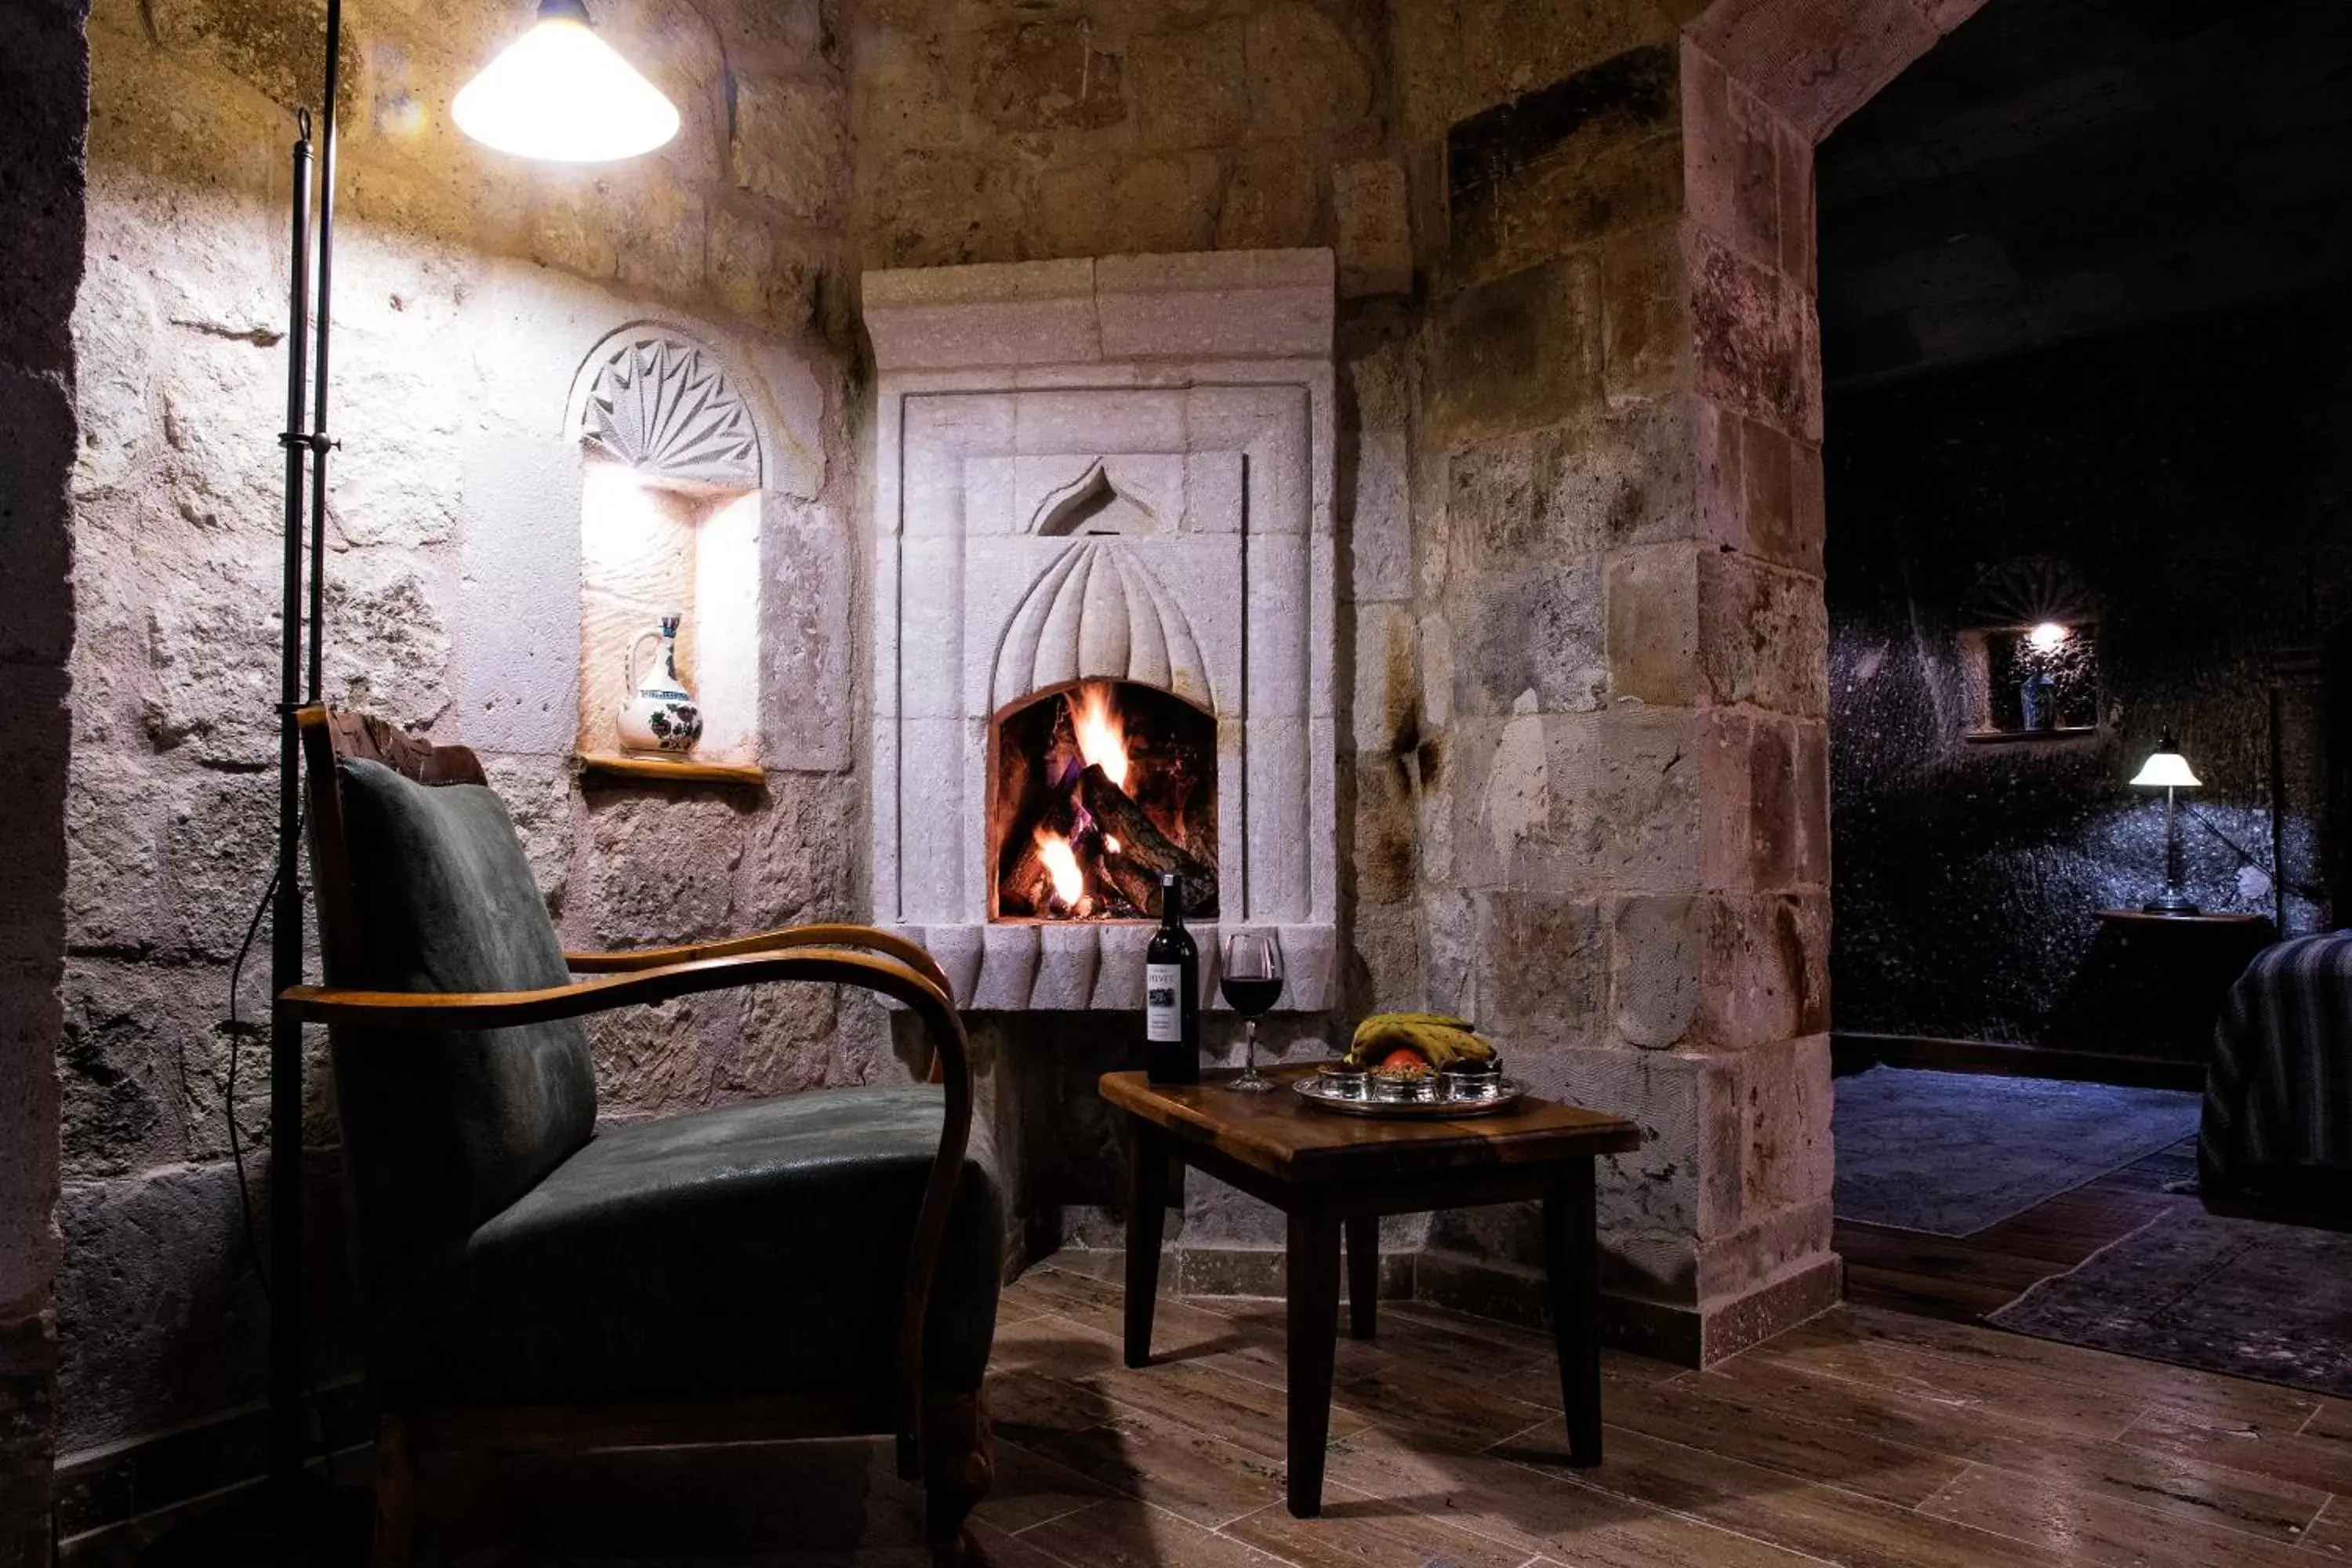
1251, 978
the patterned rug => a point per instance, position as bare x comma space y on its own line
2237, 1295
1952, 1152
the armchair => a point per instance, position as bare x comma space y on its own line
818, 1265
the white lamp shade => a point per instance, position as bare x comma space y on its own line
2165, 769
563, 94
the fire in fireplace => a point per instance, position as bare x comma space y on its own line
1098, 788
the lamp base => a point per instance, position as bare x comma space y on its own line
2169, 904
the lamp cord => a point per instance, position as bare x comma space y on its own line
237, 1138
2276, 873
235, 1036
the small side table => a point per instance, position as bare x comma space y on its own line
2175, 972
1329, 1173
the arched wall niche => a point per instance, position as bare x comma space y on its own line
673, 472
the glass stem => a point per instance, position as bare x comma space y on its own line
1249, 1036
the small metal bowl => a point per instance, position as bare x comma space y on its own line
1344, 1080
1472, 1084
1404, 1090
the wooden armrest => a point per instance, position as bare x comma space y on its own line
913, 955
503, 1009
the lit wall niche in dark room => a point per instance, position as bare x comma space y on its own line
2030, 653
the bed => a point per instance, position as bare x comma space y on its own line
2278, 1092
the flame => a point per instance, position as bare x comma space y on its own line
1102, 739
1062, 865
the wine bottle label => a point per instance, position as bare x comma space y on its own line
1163, 1004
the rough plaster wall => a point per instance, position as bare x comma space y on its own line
1070, 130
469, 288
45, 80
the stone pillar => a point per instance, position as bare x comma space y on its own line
44, 78
1627, 860
1618, 515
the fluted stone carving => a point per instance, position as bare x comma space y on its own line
664, 406
1097, 613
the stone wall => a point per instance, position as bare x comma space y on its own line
1584, 786
1611, 321
987, 134
1581, 774
469, 288
45, 80
1625, 857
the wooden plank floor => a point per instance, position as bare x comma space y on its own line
1890, 1433
1868, 1436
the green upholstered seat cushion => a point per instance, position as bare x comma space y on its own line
444, 1129
758, 1249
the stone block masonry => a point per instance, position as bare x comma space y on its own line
1626, 848
1574, 709
470, 290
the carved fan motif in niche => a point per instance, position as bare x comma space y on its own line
664, 407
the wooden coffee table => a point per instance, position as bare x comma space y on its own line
1327, 1172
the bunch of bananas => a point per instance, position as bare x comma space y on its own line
1438, 1040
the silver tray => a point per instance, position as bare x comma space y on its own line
1317, 1089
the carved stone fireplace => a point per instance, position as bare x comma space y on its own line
1103, 615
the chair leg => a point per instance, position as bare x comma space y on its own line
959, 1464
396, 1496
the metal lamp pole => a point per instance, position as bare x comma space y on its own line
305, 437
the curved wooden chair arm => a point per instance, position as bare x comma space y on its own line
927, 997
911, 953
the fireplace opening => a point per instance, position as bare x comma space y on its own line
1096, 788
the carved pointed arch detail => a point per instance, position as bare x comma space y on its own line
664, 404
1098, 612
1101, 495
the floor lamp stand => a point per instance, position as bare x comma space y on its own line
306, 441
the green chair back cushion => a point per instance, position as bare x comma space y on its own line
442, 1129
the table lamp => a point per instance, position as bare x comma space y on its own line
2168, 770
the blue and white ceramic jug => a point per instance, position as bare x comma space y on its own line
661, 715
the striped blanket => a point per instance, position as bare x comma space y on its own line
2278, 1094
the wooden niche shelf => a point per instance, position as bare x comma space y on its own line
613, 766
2003, 737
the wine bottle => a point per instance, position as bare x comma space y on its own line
1171, 994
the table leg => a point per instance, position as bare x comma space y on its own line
1146, 1215
1314, 1316
1363, 1274
1571, 1258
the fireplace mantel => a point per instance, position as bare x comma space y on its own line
1191, 397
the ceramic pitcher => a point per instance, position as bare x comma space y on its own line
660, 714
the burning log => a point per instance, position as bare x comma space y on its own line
1144, 853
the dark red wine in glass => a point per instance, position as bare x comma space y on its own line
1251, 997
1251, 978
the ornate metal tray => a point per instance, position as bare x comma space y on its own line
1444, 1104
